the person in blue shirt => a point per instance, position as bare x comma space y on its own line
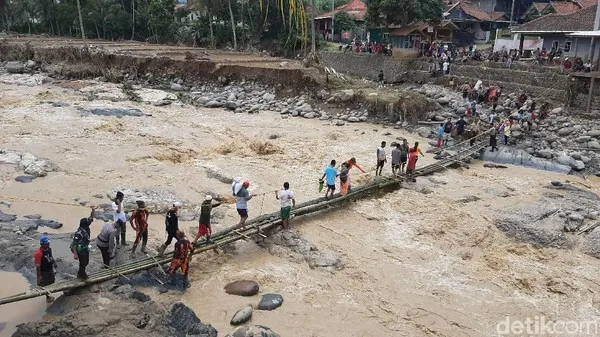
440, 134
330, 173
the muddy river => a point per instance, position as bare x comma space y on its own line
418, 262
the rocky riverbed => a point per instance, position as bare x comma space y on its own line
453, 254
568, 140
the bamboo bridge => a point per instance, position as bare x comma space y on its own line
253, 227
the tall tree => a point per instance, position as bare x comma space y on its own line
232, 19
312, 26
81, 23
403, 12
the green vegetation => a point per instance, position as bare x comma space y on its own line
403, 12
280, 24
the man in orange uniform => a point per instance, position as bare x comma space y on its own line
181, 257
139, 222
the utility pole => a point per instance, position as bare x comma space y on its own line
512, 12
596, 28
332, 19
81, 24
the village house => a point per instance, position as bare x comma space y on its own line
558, 31
324, 23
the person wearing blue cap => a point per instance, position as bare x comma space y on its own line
45, 265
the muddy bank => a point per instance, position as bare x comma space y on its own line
76, 62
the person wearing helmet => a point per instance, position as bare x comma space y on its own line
204, 226
181, 257
81, 243
242, 197
45, 265
171, 226
139, 223
119, 216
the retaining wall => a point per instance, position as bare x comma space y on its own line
536, 81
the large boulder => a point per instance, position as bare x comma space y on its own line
14, 67
424, 131
270, 302
347, 95
565, 131
242, 288
242, 316
184, 319
512, 156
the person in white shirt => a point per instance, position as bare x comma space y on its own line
445, 67
287, 201
381, 159
120, 217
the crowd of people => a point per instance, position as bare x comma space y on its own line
376, 48
523, 111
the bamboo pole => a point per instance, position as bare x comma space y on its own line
226, 236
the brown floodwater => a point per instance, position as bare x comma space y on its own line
20, 312
418, 261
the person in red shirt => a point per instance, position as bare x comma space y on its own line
45, 265
412, 164
567, 64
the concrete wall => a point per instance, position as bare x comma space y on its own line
539, 81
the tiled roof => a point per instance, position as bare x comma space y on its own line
356, 9
561, 23
404, 31
474, 12
496, 16
540, 6
566, 7
587, 3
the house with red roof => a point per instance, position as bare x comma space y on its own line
538, 9
559, 31
357, 9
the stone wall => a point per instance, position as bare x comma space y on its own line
539, 82
580, 96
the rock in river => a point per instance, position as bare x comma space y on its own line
242, 316
117, 112
252, 331
9, 217
25, 179
242, 288
270, 302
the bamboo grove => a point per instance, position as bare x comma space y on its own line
240, 24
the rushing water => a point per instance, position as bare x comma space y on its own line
420, 261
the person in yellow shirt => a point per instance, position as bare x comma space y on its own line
506, 132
